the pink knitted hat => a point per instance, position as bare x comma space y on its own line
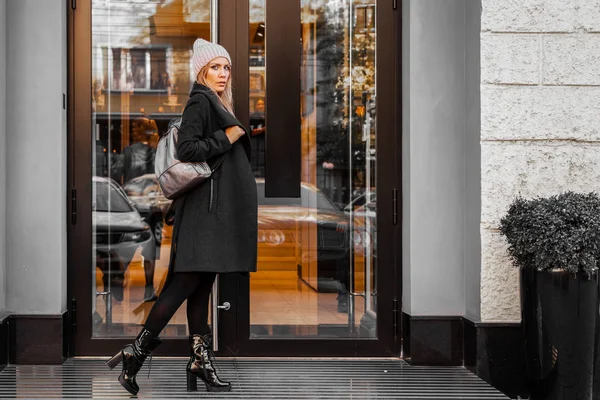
205, 52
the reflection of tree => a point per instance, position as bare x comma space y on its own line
344, 87
122, 24
196, 11
331, 101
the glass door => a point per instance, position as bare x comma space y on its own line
131, 76
315, 82
324, 158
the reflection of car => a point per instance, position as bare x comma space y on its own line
368, 210
313, 206
309, 234
149, 200
365, 226
365, 219
359, 201
119, 230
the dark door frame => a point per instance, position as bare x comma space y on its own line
236, 341
79, 173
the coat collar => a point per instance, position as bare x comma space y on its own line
224, 117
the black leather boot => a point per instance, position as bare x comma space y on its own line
201, 366
133, 357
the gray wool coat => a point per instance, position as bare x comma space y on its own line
215, 228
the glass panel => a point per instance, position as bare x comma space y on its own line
317, 264
141, 51
257, 86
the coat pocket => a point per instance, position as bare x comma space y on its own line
212, 200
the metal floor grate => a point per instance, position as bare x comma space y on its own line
251, 379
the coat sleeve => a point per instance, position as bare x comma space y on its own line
193, 143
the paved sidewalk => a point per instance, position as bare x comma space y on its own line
251, 379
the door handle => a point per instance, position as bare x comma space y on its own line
215, 313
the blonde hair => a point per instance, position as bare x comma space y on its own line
226, 96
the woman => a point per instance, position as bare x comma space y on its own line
215, 229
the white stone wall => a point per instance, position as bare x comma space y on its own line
540, 120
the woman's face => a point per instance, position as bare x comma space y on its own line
218, 74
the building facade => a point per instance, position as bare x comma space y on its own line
445, 111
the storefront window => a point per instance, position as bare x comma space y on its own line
141, 80
317, 261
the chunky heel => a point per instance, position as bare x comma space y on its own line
132, 358
192, 382
115, 360
201, 366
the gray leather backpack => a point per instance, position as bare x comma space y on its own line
176, 177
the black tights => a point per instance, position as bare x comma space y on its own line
193, 286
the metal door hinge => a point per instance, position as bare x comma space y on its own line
73, 4
73, 315
396, 317
73, 206
395, 206
394, 4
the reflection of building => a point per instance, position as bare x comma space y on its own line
149, 61
143, 69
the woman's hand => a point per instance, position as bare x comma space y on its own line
234, 133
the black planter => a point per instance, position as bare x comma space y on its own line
561, 325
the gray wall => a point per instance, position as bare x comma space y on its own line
36, 157
473, 160
436, 193
2, 155
406, 160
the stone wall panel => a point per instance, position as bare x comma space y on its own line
529, 16
511, 59
571, 60
540, 113
500, 299
533, 169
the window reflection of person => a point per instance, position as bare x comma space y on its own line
257, 118
138, 157
138, 69
100, 164
163, 82
138, 160
257, 138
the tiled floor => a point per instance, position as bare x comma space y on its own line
252, 379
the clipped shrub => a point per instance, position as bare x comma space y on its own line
561, 231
